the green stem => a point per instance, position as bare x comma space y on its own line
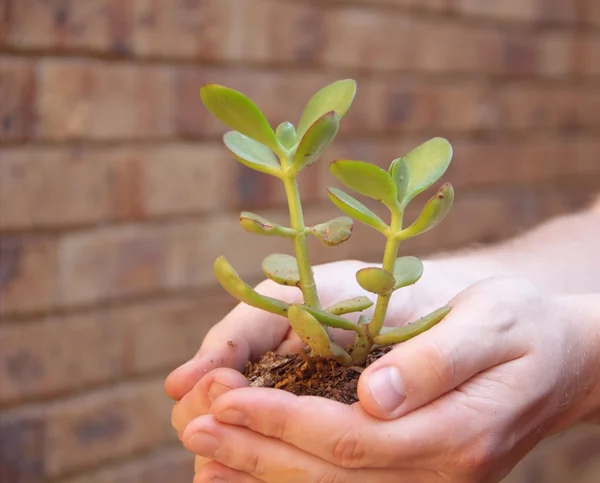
389, 262
307, 281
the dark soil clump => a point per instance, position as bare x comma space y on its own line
309, 377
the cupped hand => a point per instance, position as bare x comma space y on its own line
463, 402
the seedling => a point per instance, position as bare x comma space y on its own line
287, 151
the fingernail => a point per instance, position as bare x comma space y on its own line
218, 479
233, 416
203, 444
386, 388
216, 390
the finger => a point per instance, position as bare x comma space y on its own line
476, 335
344, 435
246, 332
214, 472
198, 401
264, 458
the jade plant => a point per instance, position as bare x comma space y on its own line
285, 153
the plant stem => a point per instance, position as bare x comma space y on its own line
307, 281
389, 262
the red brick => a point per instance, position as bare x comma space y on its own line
588, 56
22, 448
98, 100
5, 20
17, 98
557, 50
179, 29
165, 465
523, 10
590, 12
51, 186
558, 11
103, 25
29, 273
112, 262
105, 425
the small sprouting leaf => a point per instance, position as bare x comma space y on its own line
314, 335
354, 208
406, 332
286, 135
281, 268
399, 173
333, 232
236, 287
251, 153
434, 212
426, 164
337, 96
253, 223
367, 179
376, 280
357, 304
316, 140
239, 113
407, 271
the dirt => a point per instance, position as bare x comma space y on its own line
306, 376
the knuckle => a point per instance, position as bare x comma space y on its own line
443, 365
349, 450
254, 464
480, 455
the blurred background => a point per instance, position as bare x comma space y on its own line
116, 194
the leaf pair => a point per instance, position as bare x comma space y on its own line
254, 142
407, 271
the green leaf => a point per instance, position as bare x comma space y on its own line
286, 135
282, 268
252, 154
366, 179
434, 212
426, 164
333, 232
316, 140
399, 173
376, 280
314, 335
407, 271
239, 113
406, 332
253, 223
354, 208
357, 304
337, 97
235, 286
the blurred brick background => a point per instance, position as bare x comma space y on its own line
116, 195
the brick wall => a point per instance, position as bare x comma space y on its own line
113, 184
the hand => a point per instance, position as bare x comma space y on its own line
463, 402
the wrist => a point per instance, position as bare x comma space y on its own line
584, 311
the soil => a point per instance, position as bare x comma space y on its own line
306, 376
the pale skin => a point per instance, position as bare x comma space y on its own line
515, 361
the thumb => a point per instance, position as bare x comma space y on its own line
473, 337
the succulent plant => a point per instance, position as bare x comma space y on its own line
284, 153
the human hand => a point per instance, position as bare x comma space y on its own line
507, 367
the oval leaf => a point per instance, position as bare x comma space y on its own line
376, 280
407, 271
239, 113
314, 335
282, 269
235, 286
406, 332
366, 179
357, 304
286, 135
426, 164
252, 154
434, 212
337, 96
356, 210
399, 173
253, 223
317, 139
333, 232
